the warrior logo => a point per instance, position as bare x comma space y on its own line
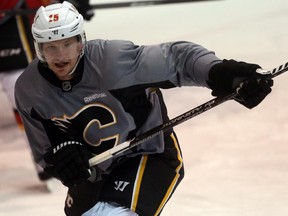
120, 185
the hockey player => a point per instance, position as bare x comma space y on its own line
16, 47
80, 98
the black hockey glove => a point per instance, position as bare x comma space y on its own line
230, 76
69, 163
84, 8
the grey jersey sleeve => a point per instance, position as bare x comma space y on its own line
124, 64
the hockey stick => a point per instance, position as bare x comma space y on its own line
117, 150
142, 3
107, 6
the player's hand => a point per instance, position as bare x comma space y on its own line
69, 163
84, 8
230, 76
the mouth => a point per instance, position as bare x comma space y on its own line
61, 65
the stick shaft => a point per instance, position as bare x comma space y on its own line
108, 5
157, 130
143, 3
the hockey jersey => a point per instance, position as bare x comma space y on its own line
112, 97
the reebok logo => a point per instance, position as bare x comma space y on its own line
120, 185
94, 97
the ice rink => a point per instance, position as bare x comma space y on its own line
236, 159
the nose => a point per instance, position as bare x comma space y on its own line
60, 54
60, 51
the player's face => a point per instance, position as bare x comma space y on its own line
61, 56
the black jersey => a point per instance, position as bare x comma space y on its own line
16, 44
112, 97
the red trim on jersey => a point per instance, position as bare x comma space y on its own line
9, 4
37, 4
18, 119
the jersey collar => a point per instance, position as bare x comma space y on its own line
66, 85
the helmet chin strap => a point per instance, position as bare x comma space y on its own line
73, 70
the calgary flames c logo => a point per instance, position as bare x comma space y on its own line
92, 122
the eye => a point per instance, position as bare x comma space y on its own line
51, 48
67, 44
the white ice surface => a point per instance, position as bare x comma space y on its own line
236, 159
